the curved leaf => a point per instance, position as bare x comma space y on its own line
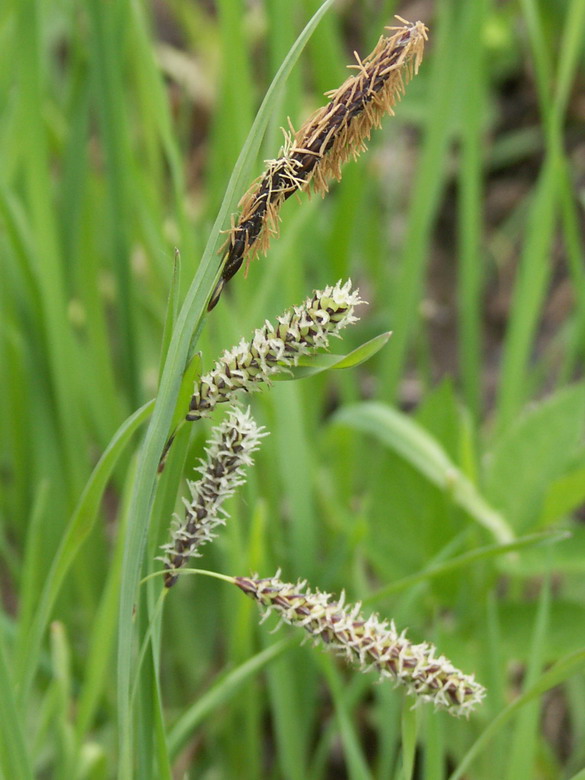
412, 442
309, 365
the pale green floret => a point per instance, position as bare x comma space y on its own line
370, 643
228, 452
275, 348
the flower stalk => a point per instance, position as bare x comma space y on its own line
316, 153
276, 348
228, 452
369, 643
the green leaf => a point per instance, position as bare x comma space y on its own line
522, 752
410, 722
100, 641
564, 632
412, 442
80, 525
348, 727
579, 776
221, 691
534, 452
563, 495
172, 309
309, 365
192, 374
567, 556
468, 558
14, 758
560, 672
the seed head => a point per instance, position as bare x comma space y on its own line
315, 154
369, 643
273, 349
228, 451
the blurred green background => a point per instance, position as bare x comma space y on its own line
400, 481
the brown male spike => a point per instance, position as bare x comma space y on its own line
315, 154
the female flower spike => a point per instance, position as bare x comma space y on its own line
228, 451
370, 643
315, 154
275, 348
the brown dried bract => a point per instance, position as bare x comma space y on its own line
315, 154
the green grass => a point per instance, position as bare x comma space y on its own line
441, 482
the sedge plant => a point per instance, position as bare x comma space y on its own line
307, 161
426, 508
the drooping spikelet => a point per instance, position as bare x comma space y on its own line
228, 451
370, 643
275, 348
315, 154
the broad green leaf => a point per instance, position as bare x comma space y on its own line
412, 442
443, 416
535, 451
563, 495
564, 634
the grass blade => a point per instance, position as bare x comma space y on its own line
561, 671
80, 525
14, 757
221, 690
